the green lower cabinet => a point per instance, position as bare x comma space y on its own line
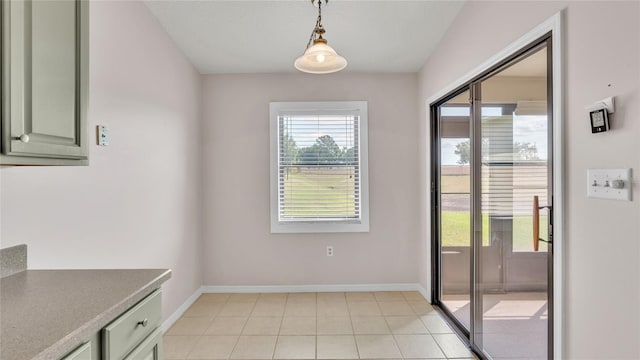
134, 335
125, 334
81, 353
149, 349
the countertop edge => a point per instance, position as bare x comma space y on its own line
13, 260
85, 332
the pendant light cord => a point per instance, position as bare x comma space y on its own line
318, 24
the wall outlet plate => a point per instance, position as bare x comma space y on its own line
329, 250
612, 184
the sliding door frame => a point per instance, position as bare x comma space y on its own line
436, 247
549, 32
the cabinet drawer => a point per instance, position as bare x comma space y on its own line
129, 330
150, 349
81, 353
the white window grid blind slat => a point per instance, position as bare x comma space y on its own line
319, 167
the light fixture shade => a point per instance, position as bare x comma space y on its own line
320, 59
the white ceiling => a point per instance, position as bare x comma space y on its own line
238, 36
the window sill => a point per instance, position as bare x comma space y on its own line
301, 227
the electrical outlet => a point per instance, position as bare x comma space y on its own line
329, 250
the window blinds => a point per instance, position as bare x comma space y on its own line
514, 164
319, 167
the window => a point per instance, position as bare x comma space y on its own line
319, 176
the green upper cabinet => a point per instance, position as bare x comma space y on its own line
45, 47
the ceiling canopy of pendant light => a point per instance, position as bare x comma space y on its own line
318, 57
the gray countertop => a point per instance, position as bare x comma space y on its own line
44, 314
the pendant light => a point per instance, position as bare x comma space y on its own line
318, 57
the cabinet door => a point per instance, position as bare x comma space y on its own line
81, 353
149, 349
45, 63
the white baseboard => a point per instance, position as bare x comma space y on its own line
178, 313
311, 288
215, 289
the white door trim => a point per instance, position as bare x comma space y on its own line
555, 25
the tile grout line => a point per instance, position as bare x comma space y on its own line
393, 336
198, 337
238, 338
351, 322
192, 348
352, 327
275, 347
438, 345
280, 328
241, 330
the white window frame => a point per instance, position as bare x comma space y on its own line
277, 109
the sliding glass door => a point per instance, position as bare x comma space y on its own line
492, 154
455, 207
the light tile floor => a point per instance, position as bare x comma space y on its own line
360, 325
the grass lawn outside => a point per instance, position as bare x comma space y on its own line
456, 230
319, 192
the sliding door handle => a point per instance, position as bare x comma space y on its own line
536, 223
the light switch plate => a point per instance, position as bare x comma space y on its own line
602, 183
103, 135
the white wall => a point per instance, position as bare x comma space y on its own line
239, 249
602, 242
137, 205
